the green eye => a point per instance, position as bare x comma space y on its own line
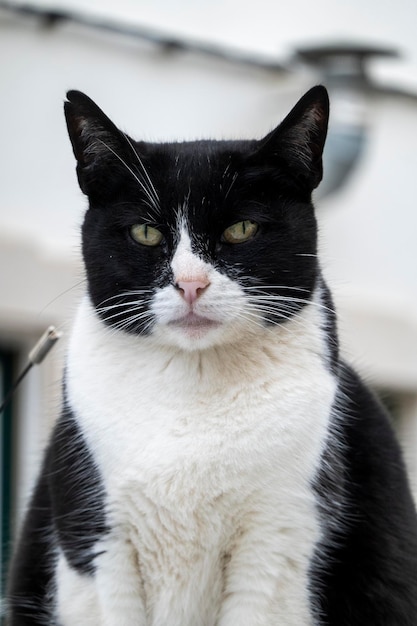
146, 235
240, 232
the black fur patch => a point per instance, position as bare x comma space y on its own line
66, 513
365, 569
77, 494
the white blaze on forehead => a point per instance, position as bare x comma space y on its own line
185, 264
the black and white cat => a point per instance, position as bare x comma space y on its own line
215, 463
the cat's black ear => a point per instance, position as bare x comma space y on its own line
97, 143
299, 139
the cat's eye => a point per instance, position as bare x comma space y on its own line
146, 235
240, 232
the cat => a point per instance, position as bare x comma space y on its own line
216, 463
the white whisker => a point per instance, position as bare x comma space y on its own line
151, 187
122, 294
153, 203
262, 298
235, 175
266, 287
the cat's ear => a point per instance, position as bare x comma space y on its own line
97, 143
299, 139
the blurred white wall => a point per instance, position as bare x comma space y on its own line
368, 228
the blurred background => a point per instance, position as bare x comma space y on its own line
188, 69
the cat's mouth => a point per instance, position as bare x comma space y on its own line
194, 322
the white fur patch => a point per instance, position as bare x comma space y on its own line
77, 600
207, 455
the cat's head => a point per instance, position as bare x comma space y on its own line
199, 243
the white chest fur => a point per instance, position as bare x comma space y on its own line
207, 459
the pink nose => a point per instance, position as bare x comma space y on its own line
191, 289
